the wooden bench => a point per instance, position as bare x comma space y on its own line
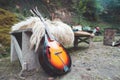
79, 38
20, 49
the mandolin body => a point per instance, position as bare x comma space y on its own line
54, 58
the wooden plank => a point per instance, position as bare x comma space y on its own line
13, 52
18, 50
29, 55
85, 39
24, 30
21, 46
80, 39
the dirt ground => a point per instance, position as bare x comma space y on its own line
98, 62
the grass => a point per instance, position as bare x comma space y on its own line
98, 39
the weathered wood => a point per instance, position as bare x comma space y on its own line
29, 55
20, 49
13, 52
109, 36
18, 31
17, 49
81, 38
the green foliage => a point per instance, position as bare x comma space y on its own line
112, 11
102, 13
58, 3
99, 7
20, 16
89, 9
98, 39
80, 6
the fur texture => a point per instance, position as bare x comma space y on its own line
61, 31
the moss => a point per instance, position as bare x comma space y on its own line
7, 19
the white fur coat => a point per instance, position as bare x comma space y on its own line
61, 31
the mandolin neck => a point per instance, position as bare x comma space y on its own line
48, 33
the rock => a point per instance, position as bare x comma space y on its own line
51, 78
88, 69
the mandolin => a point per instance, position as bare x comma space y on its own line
54, 58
